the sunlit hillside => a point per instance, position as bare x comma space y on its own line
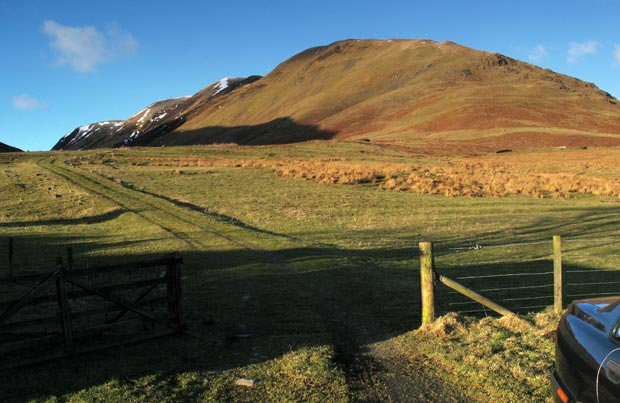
402, 93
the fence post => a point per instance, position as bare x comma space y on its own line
11, 255
558, 302
175, 294
65, 311
178, 268
427, 282
69, 258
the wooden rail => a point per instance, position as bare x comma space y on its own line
471, 294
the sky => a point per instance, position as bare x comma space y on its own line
70, 63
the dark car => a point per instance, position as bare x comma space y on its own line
587, 353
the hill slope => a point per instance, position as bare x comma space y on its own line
8, 149
399, 92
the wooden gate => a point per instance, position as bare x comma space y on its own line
73, 311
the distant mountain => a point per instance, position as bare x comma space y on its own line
148, 125
396, 91
8, 149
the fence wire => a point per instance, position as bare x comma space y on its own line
494, 262
481, 245
529, 289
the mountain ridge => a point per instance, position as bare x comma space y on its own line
4, 148
395, 91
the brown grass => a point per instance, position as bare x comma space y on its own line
551, 174
495, 179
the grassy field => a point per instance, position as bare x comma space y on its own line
301, 266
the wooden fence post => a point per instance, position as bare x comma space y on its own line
11, 255
427, 282
175, 293
65, 311
178, 268
69, 258
558, 302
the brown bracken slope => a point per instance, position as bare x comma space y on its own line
403, 93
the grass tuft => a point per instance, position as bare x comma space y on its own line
507, 358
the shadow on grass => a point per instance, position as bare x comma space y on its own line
95, 219
248, 307
585, 223
242, 307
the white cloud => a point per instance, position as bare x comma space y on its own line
538, 54
83, 48
578, 50
617, 54
25, 102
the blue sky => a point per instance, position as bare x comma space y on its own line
69, 63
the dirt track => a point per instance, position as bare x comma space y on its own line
418, 379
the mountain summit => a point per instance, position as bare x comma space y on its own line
393, 91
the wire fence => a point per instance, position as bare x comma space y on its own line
520, 275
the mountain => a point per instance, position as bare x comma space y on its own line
401, 92
8, 149
150, 123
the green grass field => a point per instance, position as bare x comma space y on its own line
300, 286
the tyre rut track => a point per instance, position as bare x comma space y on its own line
156, 211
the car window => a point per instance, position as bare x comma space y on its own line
616, 331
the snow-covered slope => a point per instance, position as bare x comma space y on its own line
81, 135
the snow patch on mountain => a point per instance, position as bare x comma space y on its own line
159, 117
144, 115
221, 86
224, 83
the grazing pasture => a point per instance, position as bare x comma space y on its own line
301, 270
